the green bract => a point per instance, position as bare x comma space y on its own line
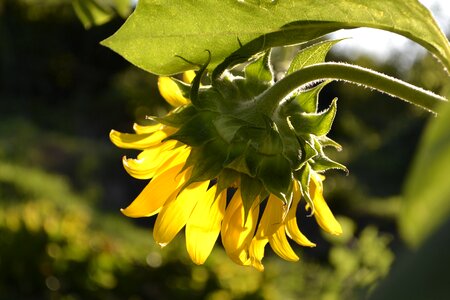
237, 136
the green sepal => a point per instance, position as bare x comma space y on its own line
314, 123
308, 149
304, 177
206, 161
259, 74
291, 147
250, 190
311, 55
208, 99
197, 131
193, 95
236, 158
227, 126
327, 142
324, 163
308, 100
275, 173
226, 179
178, 116
271, 143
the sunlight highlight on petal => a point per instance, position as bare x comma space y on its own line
170, 91
322, 212
237, 235
176, 212
292, 229
156, 193
139, 141
203, 226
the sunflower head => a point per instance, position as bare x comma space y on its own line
235, 138
233, 133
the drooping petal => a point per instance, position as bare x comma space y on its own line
176, 212
170, 91
155, 194
139, 141
280, 245
180, 157
269, 224
322, 213
140, 129
256, 252
237, 232
203, 226
292, 229
153, 161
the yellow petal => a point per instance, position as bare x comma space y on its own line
139, 141
188, 76
139, 129
153, 161
203, 226
272, 217
280, 245
322, 213
170, 91
180, 157
237, 235
292, 229
256, 252
176, 211
155, 194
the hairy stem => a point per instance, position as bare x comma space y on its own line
270, 100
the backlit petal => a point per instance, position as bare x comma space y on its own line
139, 141
292, 229
155, 194
322, 212
176, 212
203, 226
139, 129
256, 252
280, 245
188, 76
170, 91
237, 235
153, 161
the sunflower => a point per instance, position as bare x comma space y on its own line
213, 168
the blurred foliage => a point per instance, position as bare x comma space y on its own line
98, 12
61, 182
54, 245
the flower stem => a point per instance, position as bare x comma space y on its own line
271, 99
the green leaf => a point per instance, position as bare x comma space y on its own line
159, 31
427, 190
317, 123
312, 55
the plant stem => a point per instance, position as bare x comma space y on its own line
271, 99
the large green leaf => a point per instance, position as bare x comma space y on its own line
427, 191
159, 32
